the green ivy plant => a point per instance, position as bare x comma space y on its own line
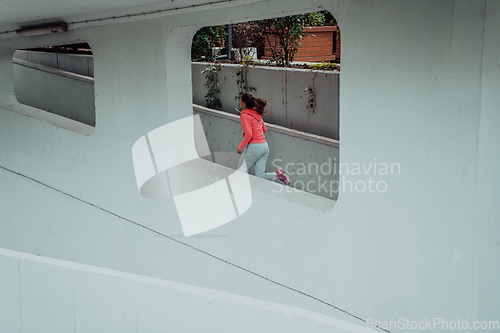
242, 78
311, 103
212, 84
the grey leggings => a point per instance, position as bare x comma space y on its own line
256, 155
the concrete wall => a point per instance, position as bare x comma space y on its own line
419, 88
82, 64
88, 299
39, 84
301, 155
54, 90
284, 88
486, 209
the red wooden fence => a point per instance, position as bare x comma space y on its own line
321, 44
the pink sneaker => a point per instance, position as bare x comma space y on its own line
282, 177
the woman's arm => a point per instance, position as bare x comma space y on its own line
247, 128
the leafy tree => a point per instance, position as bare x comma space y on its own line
284, 34
205, 39
316, 19
244, 36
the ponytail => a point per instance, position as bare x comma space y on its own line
254, 102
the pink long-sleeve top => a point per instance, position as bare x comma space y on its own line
253, 126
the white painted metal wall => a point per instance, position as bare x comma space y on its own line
418, 88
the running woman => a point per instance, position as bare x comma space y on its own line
257, 150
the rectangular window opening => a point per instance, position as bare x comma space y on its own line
57, 82
302, 91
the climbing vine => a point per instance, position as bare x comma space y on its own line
212, 84
242, 78
311, 90
311, 104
